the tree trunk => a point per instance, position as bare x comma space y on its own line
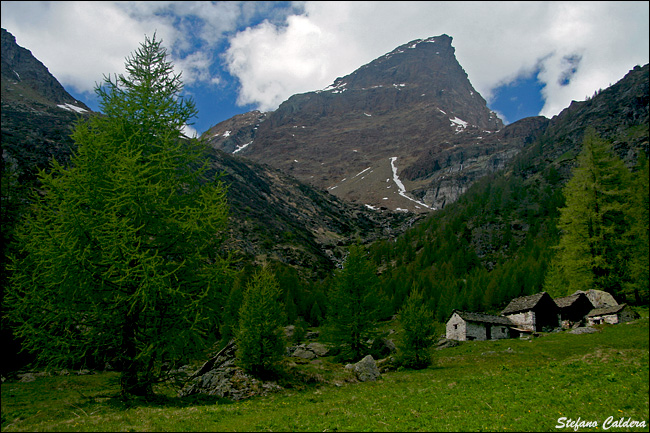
130, 382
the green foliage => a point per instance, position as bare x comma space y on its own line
477, 253
638, 284
260, 336
230, 318
315, 315
354, 303
594, 248
120, 257
418, 324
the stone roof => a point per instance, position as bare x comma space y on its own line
524, 303
484, 318
567, 301
612, 309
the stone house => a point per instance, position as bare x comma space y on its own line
573, 308
466, 326
611, 314
533, 313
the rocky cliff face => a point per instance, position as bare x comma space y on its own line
406, 131
612, 111
235, 134
25, 80
37, 112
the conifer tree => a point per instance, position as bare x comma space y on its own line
230, 318
260, 336
639, 283
593, 248
352, 315
418, 324
120, 256
315, 314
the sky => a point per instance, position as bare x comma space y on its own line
524, 58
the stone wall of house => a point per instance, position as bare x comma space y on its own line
605, 318
524, 320
459, 329
624, 315
475, 331
456, 328
499, 331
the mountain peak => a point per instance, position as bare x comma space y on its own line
377, 120
25, 80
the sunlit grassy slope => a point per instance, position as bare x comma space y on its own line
506, 385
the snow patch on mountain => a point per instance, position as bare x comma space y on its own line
71, 107
459, 123
361, 172
242, 147
335, 88
400, 185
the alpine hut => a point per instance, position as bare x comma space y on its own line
612, 315
465, 326
573, 308
533, 313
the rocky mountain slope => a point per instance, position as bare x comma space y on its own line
37, 112
613, 111
273, 216
406, 131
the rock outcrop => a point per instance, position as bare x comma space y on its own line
308, 351
365, 370
220, 377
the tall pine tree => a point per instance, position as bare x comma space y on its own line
418, 323
354, 302
594, 246
260, 336
639, 284
120, 257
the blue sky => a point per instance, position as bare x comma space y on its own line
518, 99
525, 58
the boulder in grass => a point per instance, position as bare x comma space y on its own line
365, 370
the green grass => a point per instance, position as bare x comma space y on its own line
506, 385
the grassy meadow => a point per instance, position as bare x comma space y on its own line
506, 385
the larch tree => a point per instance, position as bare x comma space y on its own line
354, 302
418, 324
638, 284
260, 335
594, 245
122, 257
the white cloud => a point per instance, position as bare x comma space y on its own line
79, 42
189, 131
495, 42
306, 46
274, 62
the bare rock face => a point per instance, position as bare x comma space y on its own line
25, 80
235, 134
38, 114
